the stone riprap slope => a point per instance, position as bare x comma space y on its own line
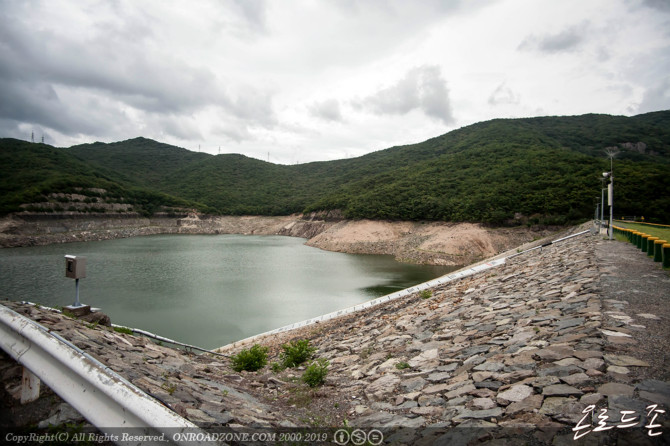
525, 344
515, 354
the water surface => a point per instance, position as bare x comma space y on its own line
206, 290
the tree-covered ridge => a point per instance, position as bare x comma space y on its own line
141, 161
547, 169
33, 173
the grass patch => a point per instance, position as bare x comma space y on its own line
124, 330
425, 294
277, 367
656, 231
169, 387
301, 396
402, 366
366, 352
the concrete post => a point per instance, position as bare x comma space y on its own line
30, 387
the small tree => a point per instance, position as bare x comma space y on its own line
315, 375
296, 352
251, 360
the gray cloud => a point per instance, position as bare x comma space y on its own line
656, 97
118, 57
40, 104
254, 11
503, 95
423, 88
175, 126
661, 5
328, 110
564, 41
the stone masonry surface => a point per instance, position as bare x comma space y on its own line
514, 355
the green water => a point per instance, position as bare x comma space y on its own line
205, 290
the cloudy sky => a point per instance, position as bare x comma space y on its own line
304, 80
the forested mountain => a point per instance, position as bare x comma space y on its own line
547, 169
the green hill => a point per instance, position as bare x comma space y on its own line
34, 175
141, 161
492, 170
547, 169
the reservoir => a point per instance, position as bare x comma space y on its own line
205, 290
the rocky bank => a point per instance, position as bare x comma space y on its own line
535, 351
436, 243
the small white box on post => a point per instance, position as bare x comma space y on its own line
75, 268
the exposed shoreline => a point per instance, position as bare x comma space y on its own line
434, 243
517, 353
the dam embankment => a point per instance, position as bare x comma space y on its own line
512, 355
436, 243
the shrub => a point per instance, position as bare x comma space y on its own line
316, 373
296, 352
251, 360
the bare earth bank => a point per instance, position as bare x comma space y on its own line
436, 243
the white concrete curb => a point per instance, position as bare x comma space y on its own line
371, 303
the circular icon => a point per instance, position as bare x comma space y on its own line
375, 437
341, 437
358, 437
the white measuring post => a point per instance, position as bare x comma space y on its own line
75, 268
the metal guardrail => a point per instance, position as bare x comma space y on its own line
549, 243
100, 395
147, 334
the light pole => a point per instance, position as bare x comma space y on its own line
602, 201
610, 199
611, 153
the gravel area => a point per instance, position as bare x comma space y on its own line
636, 287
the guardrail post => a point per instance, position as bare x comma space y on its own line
650, 245
666, 255
643, 244
30, 387
658, 250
